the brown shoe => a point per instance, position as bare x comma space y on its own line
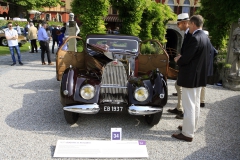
180, 116
43, 63
180, 128
175, 111
50, 63
182, 137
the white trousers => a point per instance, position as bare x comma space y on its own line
203, 93
179, 92
191, 106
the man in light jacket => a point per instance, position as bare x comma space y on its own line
32, 36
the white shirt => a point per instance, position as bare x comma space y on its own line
186, 32
19, 30
11, 33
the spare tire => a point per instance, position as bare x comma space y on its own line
4, 41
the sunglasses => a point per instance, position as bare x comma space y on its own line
9, 26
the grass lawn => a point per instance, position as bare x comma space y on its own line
5, 50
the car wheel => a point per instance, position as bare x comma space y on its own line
153, 119
71, 117
4, 42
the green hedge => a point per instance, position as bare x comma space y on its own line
23, 23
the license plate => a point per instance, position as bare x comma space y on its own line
112, 109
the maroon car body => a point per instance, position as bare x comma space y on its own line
106, 77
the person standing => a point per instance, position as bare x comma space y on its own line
63, 29
43, 40
12, 38
54, 37
32, 36
212, 54
27, 26
18, 29
192, 76
182, 23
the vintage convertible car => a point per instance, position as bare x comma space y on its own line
112, 74
3, 41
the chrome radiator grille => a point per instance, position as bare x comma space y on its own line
114, 83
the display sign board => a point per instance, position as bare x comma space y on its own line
116, 134
101, 149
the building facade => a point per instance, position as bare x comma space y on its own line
60, 13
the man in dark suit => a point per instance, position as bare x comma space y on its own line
193, 68
54, 37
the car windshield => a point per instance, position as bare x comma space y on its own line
115, 45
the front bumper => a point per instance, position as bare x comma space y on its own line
84, 109
143, 110
95, 108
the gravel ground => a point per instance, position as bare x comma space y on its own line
32, 119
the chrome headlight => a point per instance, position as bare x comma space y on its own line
87, 92
141, 94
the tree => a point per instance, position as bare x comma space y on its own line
91, 15
154, 19
130, 12
35, 4
219, 15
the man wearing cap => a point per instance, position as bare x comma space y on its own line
43, 40
182, 23
192, 76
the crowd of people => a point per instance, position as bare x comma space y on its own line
42, 32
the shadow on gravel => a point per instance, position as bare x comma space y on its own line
42, 113
222, 129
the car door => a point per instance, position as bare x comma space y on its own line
67, 55
152, 56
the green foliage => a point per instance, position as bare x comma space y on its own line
219, 15
148, 18
91, 15
151, 47
23, 23
5, 50
159, 27
35, 4
220, 59
147, 49
52, 23
154, 20
3, 23
227, 65
130, 12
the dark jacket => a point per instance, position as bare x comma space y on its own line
54, 34
186, 39
193, 64
213, 53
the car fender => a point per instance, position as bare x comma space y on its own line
68, 84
